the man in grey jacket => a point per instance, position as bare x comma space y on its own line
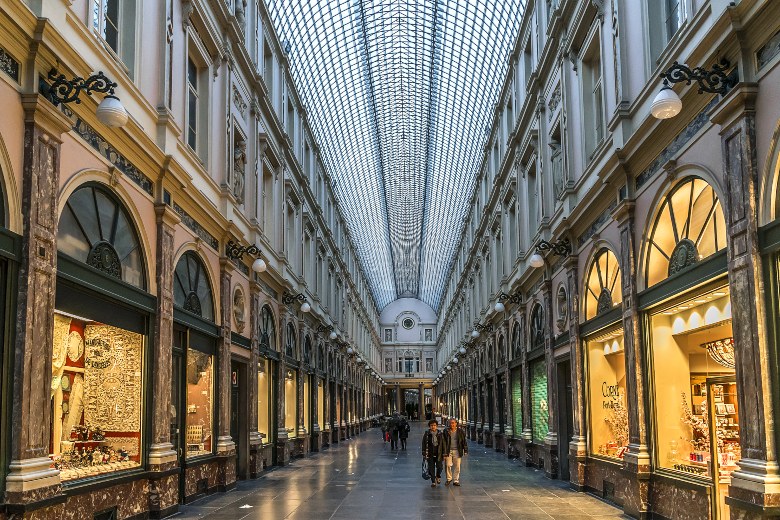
455, 448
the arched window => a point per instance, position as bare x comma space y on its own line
267, 328
290, 346
96, 229
602, 287
307, 350
689, 227
537, 327
191, 288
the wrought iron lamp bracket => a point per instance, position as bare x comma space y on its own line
714, 81
324, 328
484, 328
235, 251
515, 298
63, 90
561, 247
288, 298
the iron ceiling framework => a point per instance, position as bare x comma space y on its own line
400, 98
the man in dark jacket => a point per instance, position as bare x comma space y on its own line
455, 448
403, 432
433, 450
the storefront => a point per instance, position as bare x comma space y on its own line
9, 246
101, 336
266, 383
693, 397
194, 378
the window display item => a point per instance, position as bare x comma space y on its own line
199, 418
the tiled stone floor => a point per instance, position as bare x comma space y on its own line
363, 479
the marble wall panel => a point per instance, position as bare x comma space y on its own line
671, 500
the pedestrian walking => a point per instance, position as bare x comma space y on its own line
433, 451
403, 432
456, 448
393, 428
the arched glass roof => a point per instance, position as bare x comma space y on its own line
399, 95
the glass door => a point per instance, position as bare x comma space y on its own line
724, 437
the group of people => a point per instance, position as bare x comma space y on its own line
448, 446
395, 428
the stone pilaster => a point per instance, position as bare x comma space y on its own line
551, 439
162, 456
30, 477
226, 447
578, 448
636, 461
302, 435
255, 441
325, 432
282, 439
755, 487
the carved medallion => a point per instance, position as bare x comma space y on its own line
605, 302
684, 254
104, 257
192, 304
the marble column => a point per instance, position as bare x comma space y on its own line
421, 401
255, 441
302, 435
527, 434
755, 487
162, 456
314, 400
508, 426
578, 448
226, 447
30, 477
282, 439
636, 461
326, 410
551, 439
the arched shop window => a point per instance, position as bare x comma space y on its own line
267, 328
689, 227
290, 345
602, 287
191, 288
537, 327
98, 342
96, 229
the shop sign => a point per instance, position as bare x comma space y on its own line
610, 394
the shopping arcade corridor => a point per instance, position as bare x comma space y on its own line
362, 478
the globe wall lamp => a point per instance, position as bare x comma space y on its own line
327, 328
481, 328
235, 252
509, 298
288, 299
560, 247
667, 103
462, 349
110, 111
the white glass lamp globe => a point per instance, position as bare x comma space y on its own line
455, 359
305, 307
666, 104
499, 307
111, 113
259, 266
350, 350
536, 260
475, 333
333, 335
462, 350
359, 359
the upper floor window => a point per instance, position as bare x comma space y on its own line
114, 22
664, 17
592, 97
192, 104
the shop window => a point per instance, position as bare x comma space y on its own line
696, 409
96, 229
290, 402
607, 390
602, 287
689, 227
191, 288
96, 424
540, 411
200, 409
517, 402
267, 328
264, 399
290, 345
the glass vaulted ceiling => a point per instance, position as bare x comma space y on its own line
400, 97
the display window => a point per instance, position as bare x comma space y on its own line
263, 399
290, 403
320, 403
96, 398
540, 412
695, 393
517, 402
200, 403
608, 414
